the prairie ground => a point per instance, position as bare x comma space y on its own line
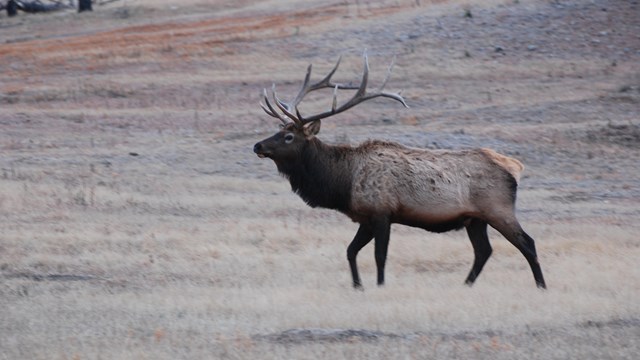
136, 222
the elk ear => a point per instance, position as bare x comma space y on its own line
311, 129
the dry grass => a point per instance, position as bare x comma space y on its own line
173, 273
135, 222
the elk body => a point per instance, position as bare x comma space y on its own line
379, 183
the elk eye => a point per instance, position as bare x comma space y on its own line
288, 138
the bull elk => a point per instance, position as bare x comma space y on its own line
379, 183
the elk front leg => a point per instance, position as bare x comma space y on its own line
381, 231
477, 231
362, 238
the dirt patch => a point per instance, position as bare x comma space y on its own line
50, 277
299, 336
581, 340
625, 135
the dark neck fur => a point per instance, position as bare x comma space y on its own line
321, 175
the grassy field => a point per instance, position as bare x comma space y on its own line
136, 222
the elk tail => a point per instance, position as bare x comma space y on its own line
511, 165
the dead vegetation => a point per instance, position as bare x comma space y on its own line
626, 135
137, 223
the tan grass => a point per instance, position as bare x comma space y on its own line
135, 221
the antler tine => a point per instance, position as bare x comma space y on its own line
287, 108
284, 107
365, 78
395, 96
326, 82
386, 78
360, 96
269, 109
307, 88
304, 90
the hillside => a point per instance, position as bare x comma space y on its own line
136, 221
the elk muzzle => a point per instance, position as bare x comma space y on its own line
259, 149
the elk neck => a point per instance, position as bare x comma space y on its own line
321, 175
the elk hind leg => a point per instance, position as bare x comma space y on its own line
477, 231
533, 260
512, 231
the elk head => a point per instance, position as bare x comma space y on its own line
297, 130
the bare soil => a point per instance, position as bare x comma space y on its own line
136, 222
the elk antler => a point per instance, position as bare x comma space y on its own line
360, 96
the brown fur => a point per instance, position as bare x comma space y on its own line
432, 185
